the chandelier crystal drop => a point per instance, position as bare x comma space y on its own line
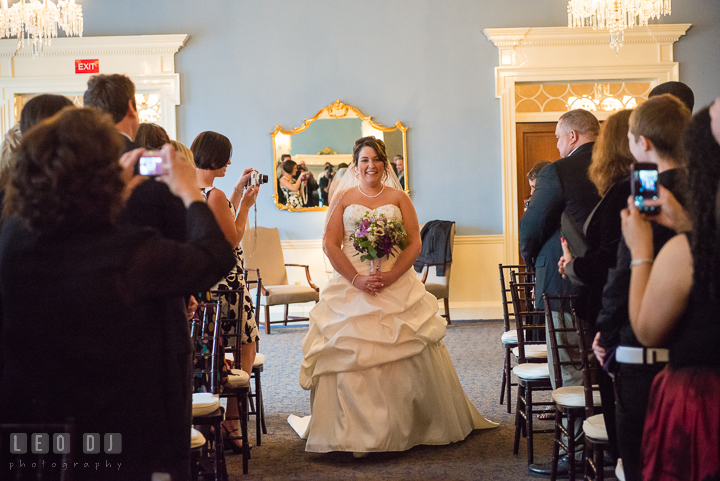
36, 22
615, 15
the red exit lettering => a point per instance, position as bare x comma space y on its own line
87, 66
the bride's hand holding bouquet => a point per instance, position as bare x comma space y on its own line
376, 237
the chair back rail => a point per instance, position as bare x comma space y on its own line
590, 366
527, 318
505, 291
231, 328
204, 332
560, 319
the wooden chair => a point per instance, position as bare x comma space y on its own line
257, 405
509, 336
532, 376
439, 286
29, 466
596, 436
264, 258
570, 401
237, 388
206, 409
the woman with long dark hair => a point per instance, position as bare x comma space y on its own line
674, 302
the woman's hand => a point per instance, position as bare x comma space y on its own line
249, 197
191, 307
371, 284
127, 162
598, 350
243, 180
671, 215
637, 232
566, 258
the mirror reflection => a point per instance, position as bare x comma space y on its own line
308, 159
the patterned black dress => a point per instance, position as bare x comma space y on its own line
232, 306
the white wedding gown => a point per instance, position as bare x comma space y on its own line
379, 375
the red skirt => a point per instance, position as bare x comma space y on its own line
682, 428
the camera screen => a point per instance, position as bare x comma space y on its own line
645, 187
150, 165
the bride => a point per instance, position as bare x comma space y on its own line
379, 375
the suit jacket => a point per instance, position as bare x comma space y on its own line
82, 330
562, 186
603, 231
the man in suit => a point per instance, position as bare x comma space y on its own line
563, 186
400, 168
151, 204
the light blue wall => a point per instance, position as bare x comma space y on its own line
338, 134
251, 64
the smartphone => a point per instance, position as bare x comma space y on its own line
644, 186
151, 164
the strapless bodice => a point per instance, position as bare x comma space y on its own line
351, 216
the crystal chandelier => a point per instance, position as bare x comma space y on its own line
615, 15
36, 22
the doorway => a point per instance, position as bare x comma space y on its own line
535, 142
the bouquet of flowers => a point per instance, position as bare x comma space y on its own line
376, 236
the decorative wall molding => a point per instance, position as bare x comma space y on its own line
568, 55
149, 60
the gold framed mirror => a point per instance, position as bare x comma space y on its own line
327, 138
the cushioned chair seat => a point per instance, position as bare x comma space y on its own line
197, 440
291, 294
531, 370
204, 403
238, 378
509, 337
573, 396
594, 427
259, 360
438, 290
534, 351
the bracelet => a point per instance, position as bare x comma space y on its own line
236, 191
637, 262
353, 281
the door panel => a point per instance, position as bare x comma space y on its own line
535, 142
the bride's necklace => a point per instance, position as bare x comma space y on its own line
371, 196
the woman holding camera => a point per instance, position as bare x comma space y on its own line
84, 297
290, 186
212, 152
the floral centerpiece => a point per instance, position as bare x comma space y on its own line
376, 236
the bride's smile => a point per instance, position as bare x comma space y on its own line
370, 167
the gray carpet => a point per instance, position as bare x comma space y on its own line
477, 355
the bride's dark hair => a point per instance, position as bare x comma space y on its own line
376, 144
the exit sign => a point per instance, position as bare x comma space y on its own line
87, 66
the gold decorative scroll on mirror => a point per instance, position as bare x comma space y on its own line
327, 138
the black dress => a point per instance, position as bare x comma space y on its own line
82, 326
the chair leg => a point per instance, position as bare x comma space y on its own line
599, 463
447, 310
570, 427
529, 424
502, 383
508, 377
267, 319
220, 467
244, 430
287, 313
556, 445
258, 411
518, 417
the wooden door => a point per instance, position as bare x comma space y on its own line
535, 142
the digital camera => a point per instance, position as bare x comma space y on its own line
151, 163
257, 178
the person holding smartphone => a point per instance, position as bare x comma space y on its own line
655, 137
